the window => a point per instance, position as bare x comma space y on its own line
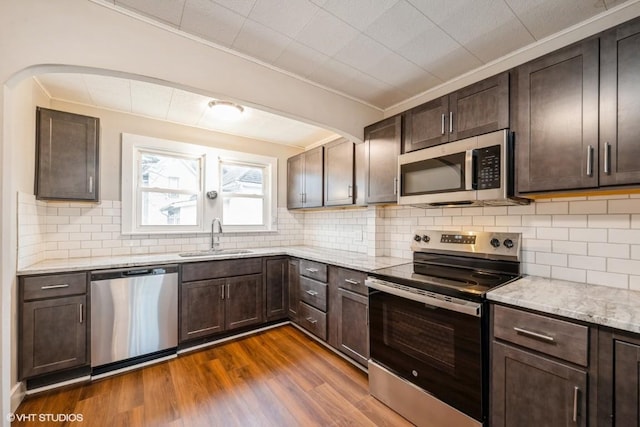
164, 183
242, 186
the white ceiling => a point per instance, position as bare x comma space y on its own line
178, 106
381, 52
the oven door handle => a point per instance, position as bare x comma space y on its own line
454, 304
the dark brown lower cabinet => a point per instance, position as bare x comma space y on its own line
294, 289
348, 313
531, 390
353, 325
618, 379
276, 288
53, 335
212, 306
202, 308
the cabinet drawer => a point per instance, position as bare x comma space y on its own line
57, 285
554, 337
348, 279
223, 268
314, 270
313, 320
313, 293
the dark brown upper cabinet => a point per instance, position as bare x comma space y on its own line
66, 156
476, 109
620, 105
556, 126
305, 179
382, 148
339, 187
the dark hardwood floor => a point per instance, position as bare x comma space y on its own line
276, 378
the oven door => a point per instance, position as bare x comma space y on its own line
435, 348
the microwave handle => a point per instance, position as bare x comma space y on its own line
468, 170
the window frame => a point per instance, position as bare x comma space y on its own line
210, 178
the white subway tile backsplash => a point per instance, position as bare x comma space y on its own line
569, 221
571, 274
609, 250
588, 207
594, 239
588, 235
608, 279
552, 233
608, 221
625, 266
568, 247
627, 206
552, 208
546, 258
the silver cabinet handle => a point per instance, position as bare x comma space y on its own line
350, 194
312, 270
395, 186
607, 166
450, 121
81, 313
353, 282
533, 334
443, 119
576, 391
62, 285
228, 291
590, 160
311, 320
222, 293
91, 184
312, 293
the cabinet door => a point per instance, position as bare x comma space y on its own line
626, 389
201, 309
54, 335
295, 180
480, 108
382, 150
338, 173
313, 177
426, 125
243, 301
276, 289
66, 156
353, 325
557, 120
294, 289
620, 105
530, 390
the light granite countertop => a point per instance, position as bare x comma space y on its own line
602, 305
353, 260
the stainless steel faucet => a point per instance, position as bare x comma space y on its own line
215, 235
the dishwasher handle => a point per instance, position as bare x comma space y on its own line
144, 272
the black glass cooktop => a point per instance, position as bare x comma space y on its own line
457, 282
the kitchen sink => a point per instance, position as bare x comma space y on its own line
215, 252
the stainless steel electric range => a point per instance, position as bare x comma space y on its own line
429, 326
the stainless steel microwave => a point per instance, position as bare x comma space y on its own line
475, 171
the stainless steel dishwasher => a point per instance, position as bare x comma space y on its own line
134, 316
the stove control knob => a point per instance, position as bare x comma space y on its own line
426, 238
508, 243
417, 238
495, 242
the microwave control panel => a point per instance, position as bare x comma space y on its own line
488, 164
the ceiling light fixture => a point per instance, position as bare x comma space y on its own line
226, 110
